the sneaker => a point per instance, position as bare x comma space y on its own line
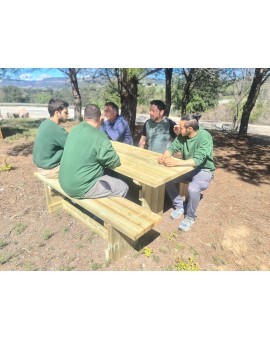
186, 224
177, 213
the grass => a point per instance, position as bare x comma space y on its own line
20, 227
3, 243
47, 234
5, 258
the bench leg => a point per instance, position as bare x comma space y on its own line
118, 244
183, 190
53, 198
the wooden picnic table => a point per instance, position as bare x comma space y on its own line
142, 166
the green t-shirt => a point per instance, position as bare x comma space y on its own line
88, 151
159, 135
199, 148
49, 145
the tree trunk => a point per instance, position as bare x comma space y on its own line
128, 97
168, 76
251, 100
76, 94
186, 94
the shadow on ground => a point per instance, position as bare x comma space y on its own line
248, 157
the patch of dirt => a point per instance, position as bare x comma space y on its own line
232, 230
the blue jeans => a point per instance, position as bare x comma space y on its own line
199, 180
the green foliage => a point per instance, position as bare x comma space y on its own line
190, 265
13, 94
147, 251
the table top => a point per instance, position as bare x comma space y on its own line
142, 165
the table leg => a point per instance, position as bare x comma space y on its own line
153, 198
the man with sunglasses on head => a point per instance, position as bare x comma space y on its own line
196, 147
51, 139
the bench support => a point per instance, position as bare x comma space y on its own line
118, 243
53, 198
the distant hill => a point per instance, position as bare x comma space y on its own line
47, 82
60, 82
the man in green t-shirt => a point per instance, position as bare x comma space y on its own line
87, 155
50, 139
196, 147
157, 131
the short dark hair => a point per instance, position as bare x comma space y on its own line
113, 105
192, 120
92, 111
56, 104
159, 103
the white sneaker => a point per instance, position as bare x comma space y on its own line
177, 213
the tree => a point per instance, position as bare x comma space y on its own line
197, 89
259, 78
72, 75
124, 82
241, 85
168, 89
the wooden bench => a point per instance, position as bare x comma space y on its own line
122, 221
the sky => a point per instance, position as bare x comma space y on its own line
39, 74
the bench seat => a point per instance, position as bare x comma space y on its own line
122, 221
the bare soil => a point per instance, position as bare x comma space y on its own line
232, 231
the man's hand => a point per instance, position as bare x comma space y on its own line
170, 161
162, 158
176, 129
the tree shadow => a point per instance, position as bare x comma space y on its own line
13, 127
24, 149
248, 157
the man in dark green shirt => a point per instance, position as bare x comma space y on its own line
88, 153
157, 131
51, 139
196, 147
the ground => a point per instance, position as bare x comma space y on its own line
231, 231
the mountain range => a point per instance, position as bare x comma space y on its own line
47, 82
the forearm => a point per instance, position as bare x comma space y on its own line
142, 142
171, 161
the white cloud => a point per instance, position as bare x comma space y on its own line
42, 76
26, 76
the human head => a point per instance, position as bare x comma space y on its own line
189, 124
157, 110
58, 109
111, 110
92, 112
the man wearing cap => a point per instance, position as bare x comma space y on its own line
87, 155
